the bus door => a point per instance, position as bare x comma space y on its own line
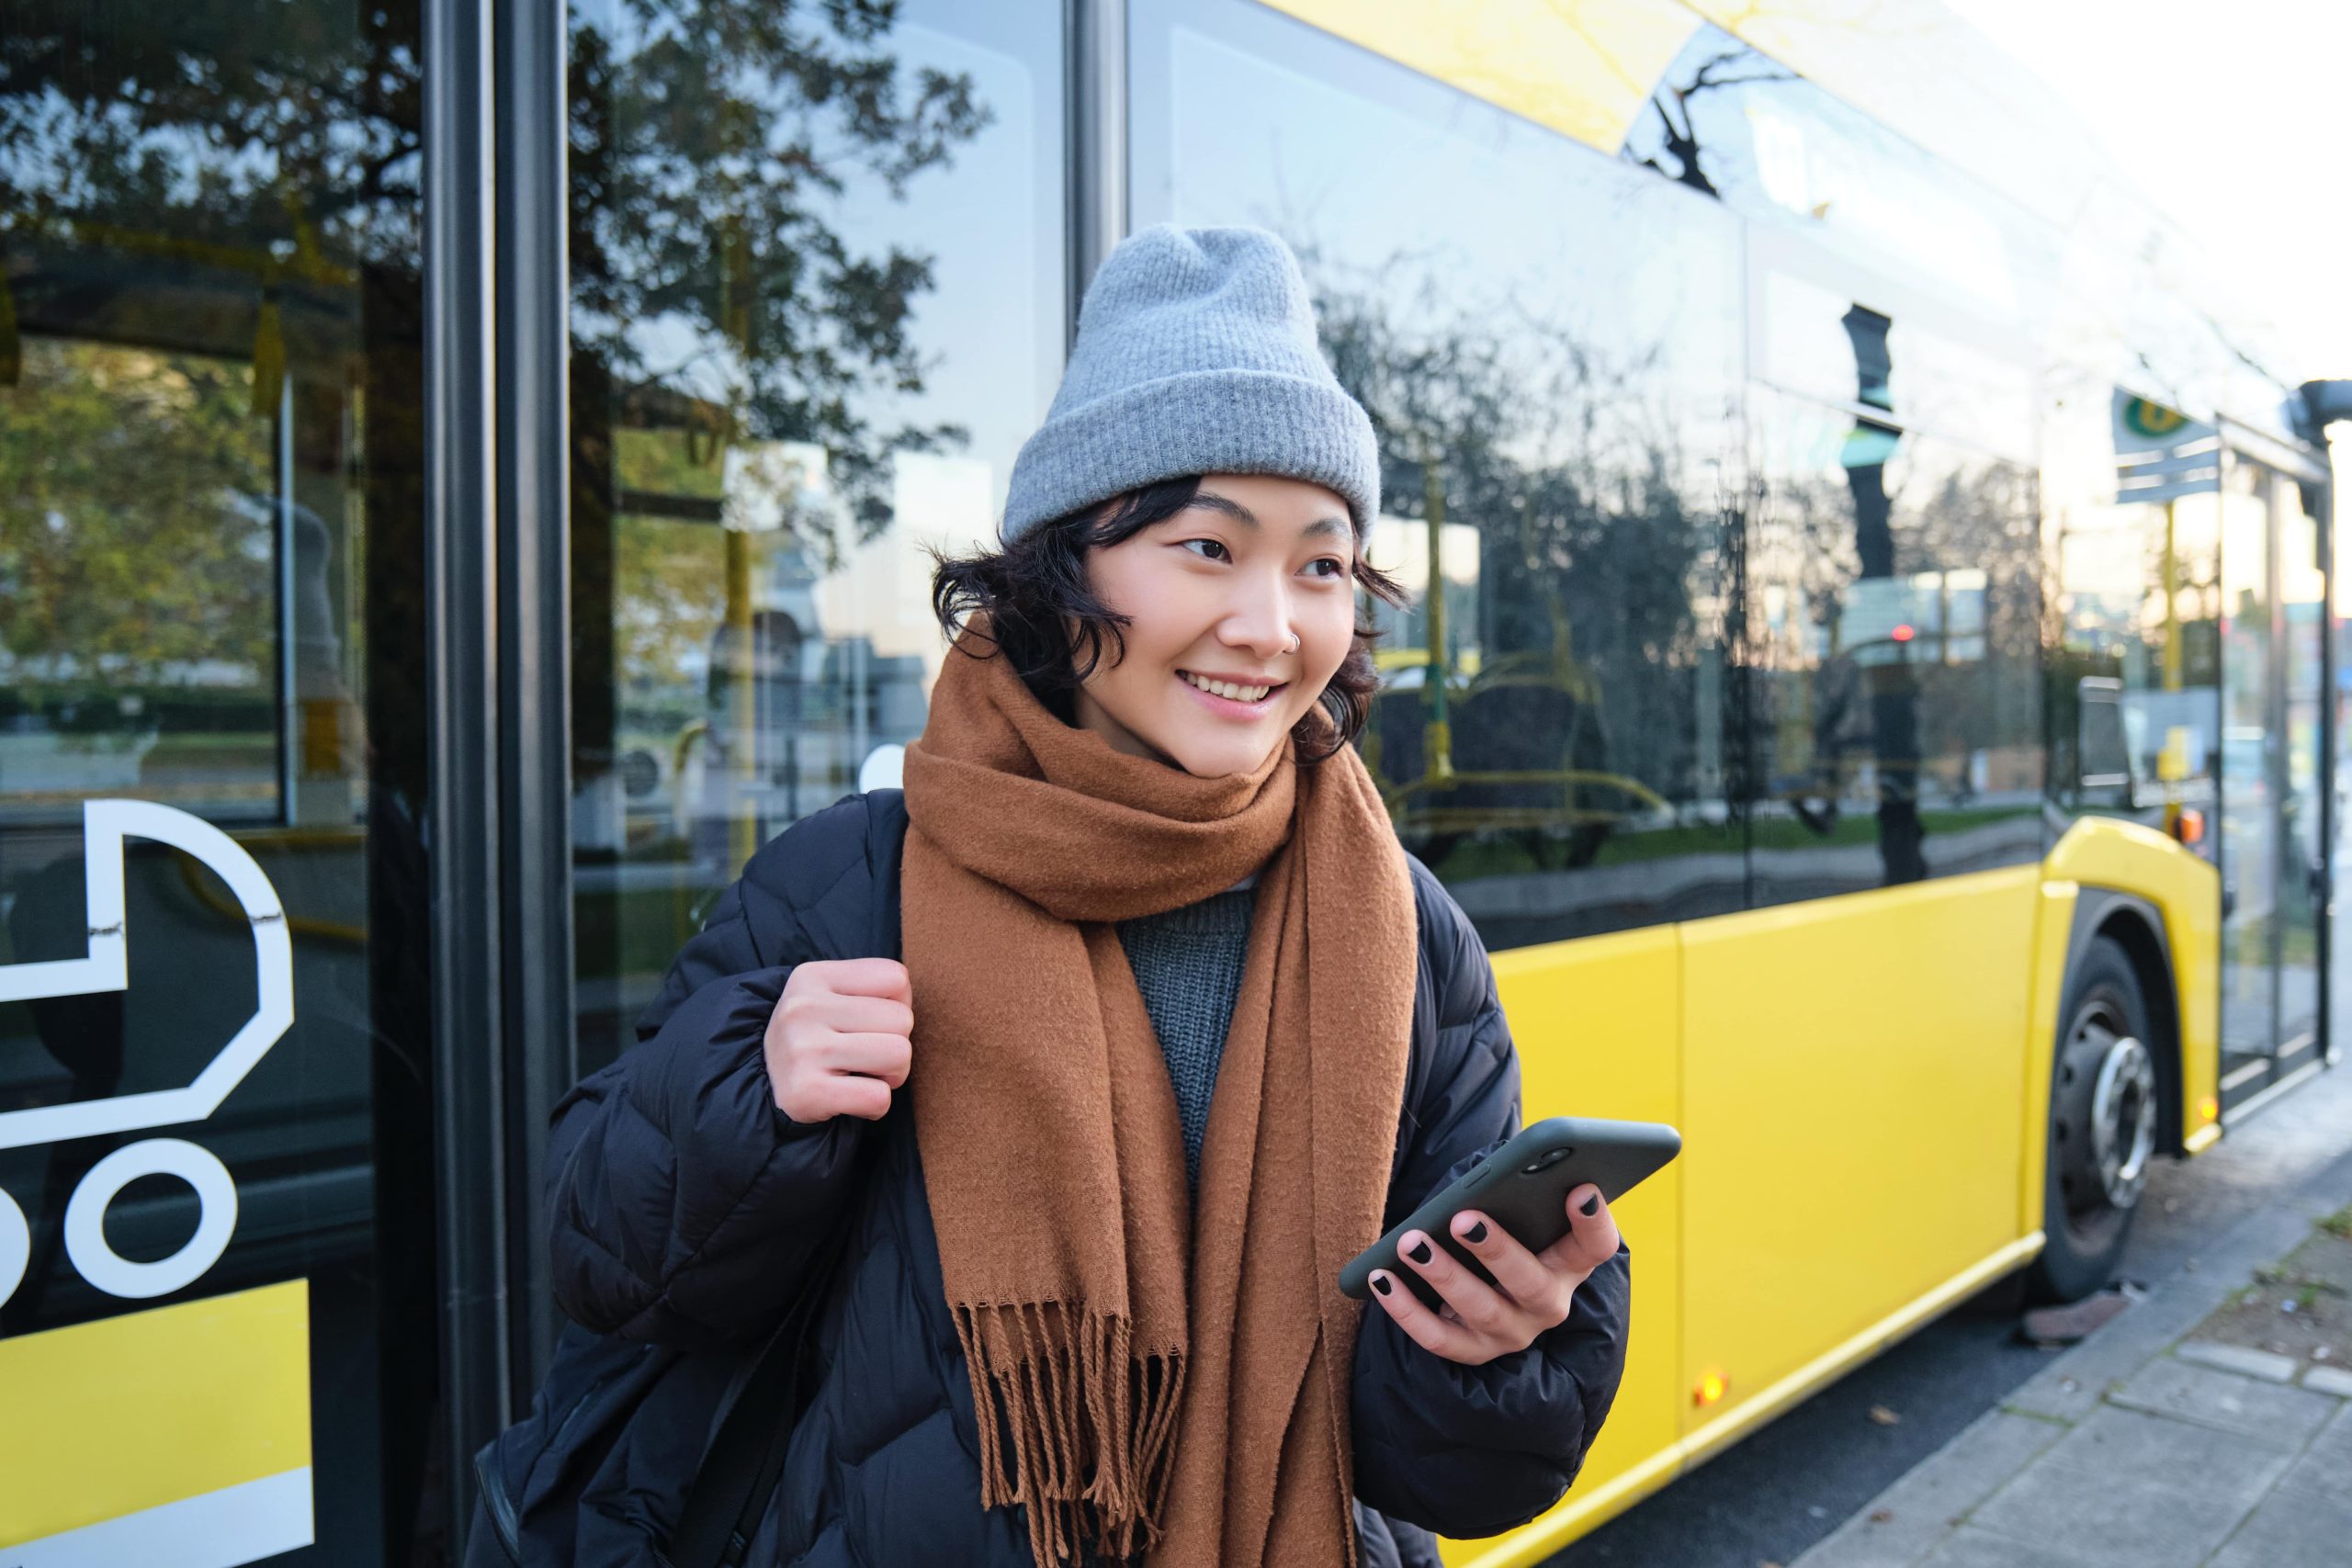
2275, 770
218, 1301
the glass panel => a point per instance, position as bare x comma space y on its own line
1891, 622
2303, 603
2338, 991
1778, 150
215, 1139
2111, 619
812, 327
1548, 341
1942, 385
2249, 800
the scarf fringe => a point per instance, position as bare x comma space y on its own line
1092, 1424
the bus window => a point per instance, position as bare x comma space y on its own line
2272, 595
2134, 564
783, 391
1792, 158
1895, 722
1547, 340
216, 1065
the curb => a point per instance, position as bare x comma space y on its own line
1910, 1519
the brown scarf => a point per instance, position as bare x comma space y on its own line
1152, 1393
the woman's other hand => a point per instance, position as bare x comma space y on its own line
838, 1043
1479, 1322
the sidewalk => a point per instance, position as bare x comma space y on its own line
2207, 1427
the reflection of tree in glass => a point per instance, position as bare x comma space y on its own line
1919, 711
664, 626
1677, 136
286, 134
708, 139
237, 180
271, 150
1981, 514
1563, 459
104, 560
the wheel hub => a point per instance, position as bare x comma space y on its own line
2123, 1120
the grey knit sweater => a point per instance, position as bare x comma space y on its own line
1188, 965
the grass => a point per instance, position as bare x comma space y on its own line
2339, 1223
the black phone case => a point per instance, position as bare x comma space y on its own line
1524, 1186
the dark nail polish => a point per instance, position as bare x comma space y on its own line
1380, 1283
1476, 1233
1592, 1206
1418, 1252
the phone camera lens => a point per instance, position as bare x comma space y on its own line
1545, 1160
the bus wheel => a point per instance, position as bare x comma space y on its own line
2102, 1127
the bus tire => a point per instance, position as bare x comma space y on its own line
2101, 1132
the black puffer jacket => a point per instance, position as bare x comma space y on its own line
684, 1207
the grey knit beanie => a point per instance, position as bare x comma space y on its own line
1195, 354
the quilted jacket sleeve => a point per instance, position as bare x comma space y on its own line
1472, 1451
683, 1207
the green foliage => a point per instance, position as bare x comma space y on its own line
242, 179
672, 595
124, 545
711, 144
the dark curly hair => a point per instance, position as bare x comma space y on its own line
1034, 589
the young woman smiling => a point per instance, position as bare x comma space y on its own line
1109, 1041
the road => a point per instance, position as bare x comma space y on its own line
1769, 1498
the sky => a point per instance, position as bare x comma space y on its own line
2233, 118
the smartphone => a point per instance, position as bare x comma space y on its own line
1524, 1188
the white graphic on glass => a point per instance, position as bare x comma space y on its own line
105, 967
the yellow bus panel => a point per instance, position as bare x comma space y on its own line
2108, 852
1852, 1078
1585, 68
1598, 1033
1861, 1084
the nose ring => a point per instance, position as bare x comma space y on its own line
1294, 642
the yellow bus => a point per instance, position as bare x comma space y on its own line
1869, 672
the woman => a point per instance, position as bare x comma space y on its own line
1115, 1038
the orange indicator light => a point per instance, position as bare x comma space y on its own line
2208, 1108
1710, 1388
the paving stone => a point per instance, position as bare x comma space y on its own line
2326, 1466
1970, 1548
2194, 1458
2238, 1359
2329, 1380
2262, 1412
1845, 1548
2174, 1457
2292, 1530
2111, 1521
1920, 1507
2070, 1387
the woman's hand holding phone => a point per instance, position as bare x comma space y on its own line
839, 1041
1479, 1322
